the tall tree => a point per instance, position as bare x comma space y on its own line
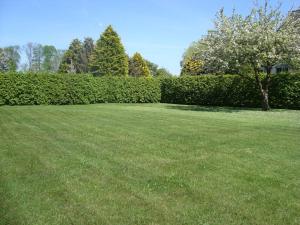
261, 40
4, 61
57, 59
13, 55
152, 67
109, 57
72, 59
138, 67
87, 49
37, 58
29, 54
194, 60
49, 53
192, 67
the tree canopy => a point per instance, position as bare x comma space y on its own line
109, 57
4, 61
138, 66
72, 59
255, 42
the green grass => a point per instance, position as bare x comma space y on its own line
148, 164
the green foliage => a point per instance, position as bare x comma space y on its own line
87, 49
192, 66
45, 88
130, 90
37, 59
42, 58
262, 39
285, 91
258, 41
230, 90
138, 66
72, 59
9, 58
152, 67
13, 53
193, 61
108, 57
49, 55
209, 90
162, 72
4, 61
156, 71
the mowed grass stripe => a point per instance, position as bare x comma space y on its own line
148, 164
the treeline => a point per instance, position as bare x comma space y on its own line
38, 58
105, 57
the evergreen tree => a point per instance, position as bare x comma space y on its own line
192, 67
72, 59
87, 49
109, 57
138, 67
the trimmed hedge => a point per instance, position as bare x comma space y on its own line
285, 91
231, 90
209, 90
62, 89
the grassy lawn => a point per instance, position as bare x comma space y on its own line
148, 164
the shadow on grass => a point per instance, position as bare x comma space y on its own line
211, 108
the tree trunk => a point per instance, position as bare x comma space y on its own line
265, 100
264, 91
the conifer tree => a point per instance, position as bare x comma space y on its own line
138, 66
72, 59
87, 49
109, 57
192, 67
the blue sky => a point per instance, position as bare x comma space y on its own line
159, 29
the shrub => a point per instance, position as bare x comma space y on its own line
210, 90
230, 90
285, 91
61, 89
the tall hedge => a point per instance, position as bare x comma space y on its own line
210, 90
230, 90
61, 89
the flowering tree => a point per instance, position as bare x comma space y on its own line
260, 41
